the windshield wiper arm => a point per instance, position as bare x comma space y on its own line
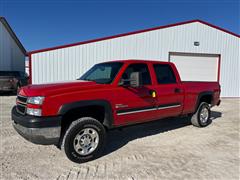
89, 80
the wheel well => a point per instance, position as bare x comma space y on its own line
206, 98
203, 98
95, 111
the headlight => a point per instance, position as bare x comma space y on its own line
34, 112
35, 100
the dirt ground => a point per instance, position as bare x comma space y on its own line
165, 149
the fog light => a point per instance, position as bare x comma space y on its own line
34, 112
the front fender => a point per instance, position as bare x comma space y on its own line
108, 114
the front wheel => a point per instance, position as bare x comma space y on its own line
84, 140
201, 118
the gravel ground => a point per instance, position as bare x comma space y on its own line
165, 149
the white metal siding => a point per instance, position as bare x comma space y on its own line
11, 56
196, 68
69, 63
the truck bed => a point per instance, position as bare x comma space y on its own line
192, 89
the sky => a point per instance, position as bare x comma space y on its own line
48, 23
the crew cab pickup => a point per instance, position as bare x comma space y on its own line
76, 115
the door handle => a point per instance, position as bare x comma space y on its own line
177, 90
153, 93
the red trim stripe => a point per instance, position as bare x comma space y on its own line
131, 33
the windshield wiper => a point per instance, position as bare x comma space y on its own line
89, 80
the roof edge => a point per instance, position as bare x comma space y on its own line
12, 34
131, 33
219, 28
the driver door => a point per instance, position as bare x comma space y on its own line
135, 104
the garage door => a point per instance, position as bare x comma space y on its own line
196, 67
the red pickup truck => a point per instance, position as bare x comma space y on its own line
76, 115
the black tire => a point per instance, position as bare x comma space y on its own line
196, 117
72, 132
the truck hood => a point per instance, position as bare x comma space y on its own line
57, 88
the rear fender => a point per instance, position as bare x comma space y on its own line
202, 94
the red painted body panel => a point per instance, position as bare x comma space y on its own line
58, 94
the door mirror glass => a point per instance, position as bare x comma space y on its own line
136, 75
135, 79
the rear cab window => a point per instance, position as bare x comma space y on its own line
164, 74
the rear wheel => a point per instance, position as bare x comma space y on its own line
84, 140
202, 116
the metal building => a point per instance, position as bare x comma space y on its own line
201, 52
12, 52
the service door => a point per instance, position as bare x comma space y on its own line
196, 67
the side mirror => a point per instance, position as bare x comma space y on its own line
135, 79
122, 82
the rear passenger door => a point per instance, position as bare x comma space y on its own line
170, 94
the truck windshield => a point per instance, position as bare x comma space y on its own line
103, 73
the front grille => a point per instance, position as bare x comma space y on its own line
22, 99
21, 104
21, 109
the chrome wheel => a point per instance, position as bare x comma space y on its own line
204, 115
86, 141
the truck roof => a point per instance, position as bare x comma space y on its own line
142, 61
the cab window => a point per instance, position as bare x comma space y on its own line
164, 74
142, 69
